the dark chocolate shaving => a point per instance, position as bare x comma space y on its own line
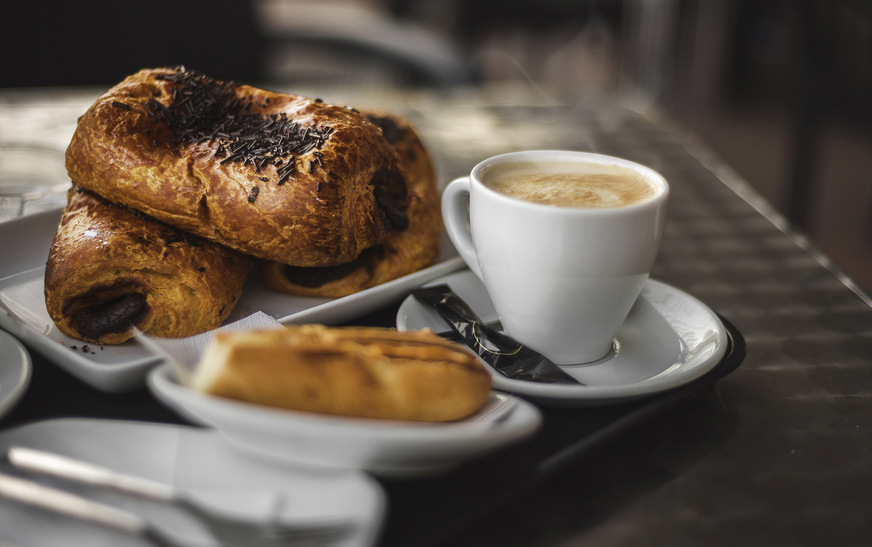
207, 110
204, 109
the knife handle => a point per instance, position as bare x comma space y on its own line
80, 508
71, 505
86, 473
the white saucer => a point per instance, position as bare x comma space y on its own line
381, 447
196, 461
669, 339
15, 369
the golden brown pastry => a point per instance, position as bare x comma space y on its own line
400, 254
351, 371
110, 269
280, 177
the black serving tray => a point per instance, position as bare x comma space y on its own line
439, 510
446, 509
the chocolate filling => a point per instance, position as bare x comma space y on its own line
313, 277
390, 186
391, 130
390, 193
111, 316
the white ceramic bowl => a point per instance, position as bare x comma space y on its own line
382, 447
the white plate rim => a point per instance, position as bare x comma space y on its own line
15, 371
563, 394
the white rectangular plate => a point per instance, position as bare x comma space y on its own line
24, 246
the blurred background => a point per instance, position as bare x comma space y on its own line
780, 90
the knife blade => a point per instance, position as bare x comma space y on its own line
502, 352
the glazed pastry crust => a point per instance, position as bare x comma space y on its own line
401, 253
110, 269
346, 194
364, 372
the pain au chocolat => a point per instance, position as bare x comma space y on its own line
279, 177
401, 253
111, 269
365, 372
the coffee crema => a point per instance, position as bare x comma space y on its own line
570, 184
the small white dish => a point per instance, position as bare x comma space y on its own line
381, 447
15, 370
669, 339
196, 461
24, 245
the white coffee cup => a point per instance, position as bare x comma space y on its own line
562, 278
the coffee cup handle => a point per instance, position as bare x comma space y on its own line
455, 215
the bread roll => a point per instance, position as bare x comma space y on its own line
351, 371
401, 253
276, 176
110, 269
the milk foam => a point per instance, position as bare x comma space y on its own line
570, 184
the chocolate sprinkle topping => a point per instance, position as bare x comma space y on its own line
203, 110
121, 105
207, 110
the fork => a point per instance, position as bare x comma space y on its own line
230, 531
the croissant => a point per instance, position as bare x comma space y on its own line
400, 254
111, 269
276, 176
365, 372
